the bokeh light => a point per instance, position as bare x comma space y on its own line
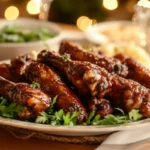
33, 7
110, 4
144, 3
11, 13
83, 23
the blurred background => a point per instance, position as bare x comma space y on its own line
68, 11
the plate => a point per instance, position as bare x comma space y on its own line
10, 50
113, 31
72, 130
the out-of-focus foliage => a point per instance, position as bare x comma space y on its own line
68, 11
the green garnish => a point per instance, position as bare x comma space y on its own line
87, 48
66, 57
35, 85
53, 117
17, 34
111, 119
134, 115
8, 109
57, 117
51, 108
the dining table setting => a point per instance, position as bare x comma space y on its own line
76, 86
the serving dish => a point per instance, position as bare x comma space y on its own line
113, 31
79, 130
10, 50
73, 130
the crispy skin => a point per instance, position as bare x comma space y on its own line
5, 71
77, 53
52, 84
100, 106
137, 72
123, 93
33, 100
86, 77
128, 94
18, 66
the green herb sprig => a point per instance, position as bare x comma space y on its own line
53, 117
57, 117
66, 57
87, 48
35, 85
111, 119
9, 109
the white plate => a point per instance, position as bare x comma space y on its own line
10, 50
119, 31
72, 130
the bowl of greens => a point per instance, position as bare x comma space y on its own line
25, 35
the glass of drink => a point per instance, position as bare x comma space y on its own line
142, 19
44, 9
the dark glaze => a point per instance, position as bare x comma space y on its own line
124, 93
86, 77
18, 66
137, 72
77, 53
33, 100
100, 106
5, 71
52, 84
128, 95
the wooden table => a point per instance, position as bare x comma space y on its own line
9, 142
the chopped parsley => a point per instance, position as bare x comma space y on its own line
57, 117
9, 109
53, 117
66, 57
87, 48
35, 85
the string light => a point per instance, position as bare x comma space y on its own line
83, 23
11, 13
110, 4
33, 7
144, 3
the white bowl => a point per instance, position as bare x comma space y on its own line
10, 50
117, 31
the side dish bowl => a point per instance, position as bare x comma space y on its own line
9, 50
113, 31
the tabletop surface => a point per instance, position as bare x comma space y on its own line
9, 142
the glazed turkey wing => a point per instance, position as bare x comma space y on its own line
100, 106
128, 94
5, 71
77, 53
124, 93
33, 100
52, 84
86, 77
18, 66
137, 72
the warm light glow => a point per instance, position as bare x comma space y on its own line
110, 4
11, 13
33, 7
144, 3
83, 23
